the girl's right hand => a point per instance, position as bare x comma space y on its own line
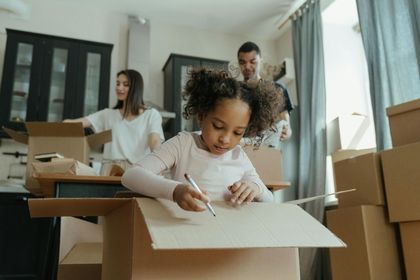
186, 197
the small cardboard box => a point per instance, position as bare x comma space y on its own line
65, 166
268, 163
364, 174
371, 252
155, 239
404, 122
401, 168
410, 239
67, 139
350, 132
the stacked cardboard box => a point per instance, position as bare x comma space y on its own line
401, 168
361, 220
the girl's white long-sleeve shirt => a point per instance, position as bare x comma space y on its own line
182, 154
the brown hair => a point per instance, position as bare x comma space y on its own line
205, 88
134, 101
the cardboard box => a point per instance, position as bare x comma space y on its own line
401, 168
371, 252
67, 139
404, 122
350, 132
155, 239
364, 174
268, 163
80, 250
410, 239
64, 166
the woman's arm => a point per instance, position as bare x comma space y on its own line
153, 141
85, 122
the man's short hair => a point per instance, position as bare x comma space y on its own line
249, 47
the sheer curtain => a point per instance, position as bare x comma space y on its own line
390, 32
310, 82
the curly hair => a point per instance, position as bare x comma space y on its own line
205, 88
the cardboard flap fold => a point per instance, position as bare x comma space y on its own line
100, 138
57, 207
403, 107
255, 225
55, 129
17, 136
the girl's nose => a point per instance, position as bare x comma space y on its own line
224, 139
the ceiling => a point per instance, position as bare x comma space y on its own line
256, 18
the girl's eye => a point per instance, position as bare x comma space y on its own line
239, 133
217, 127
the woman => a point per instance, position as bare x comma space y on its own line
136, 130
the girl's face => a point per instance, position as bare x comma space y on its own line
223, 128
122, 87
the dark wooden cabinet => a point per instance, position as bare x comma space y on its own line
51, 78
176, 71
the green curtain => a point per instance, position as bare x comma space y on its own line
390, 33
310, 83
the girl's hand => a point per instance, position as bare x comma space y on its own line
186, 197
243, 192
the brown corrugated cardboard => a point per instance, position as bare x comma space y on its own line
80, 249
83, 262
350, 132
401, 167
64, 166
410, 238
404, 122
371, 251
345, 154
151, 239
364, 174
65, 138
267, 161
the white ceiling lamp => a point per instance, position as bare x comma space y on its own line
16, 8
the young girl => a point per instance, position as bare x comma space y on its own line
226, 110
136, 130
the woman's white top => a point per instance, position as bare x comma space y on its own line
180, 154
129, 137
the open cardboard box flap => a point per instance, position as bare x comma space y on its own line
255, 225
46, 129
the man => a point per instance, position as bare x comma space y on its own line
250, 61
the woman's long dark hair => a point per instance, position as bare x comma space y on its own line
134, 101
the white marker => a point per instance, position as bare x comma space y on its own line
195, 186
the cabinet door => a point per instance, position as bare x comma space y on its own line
57, 87
182, 67
93, 79
20, 81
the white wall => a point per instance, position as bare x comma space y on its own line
63, 18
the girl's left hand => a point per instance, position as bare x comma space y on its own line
243, 192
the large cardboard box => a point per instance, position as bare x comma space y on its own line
371, 252
350, 132
401, 167
268, 162
363, 173
67, 139
410, 239
155, 239
404, 122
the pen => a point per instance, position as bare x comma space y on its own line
195, 186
